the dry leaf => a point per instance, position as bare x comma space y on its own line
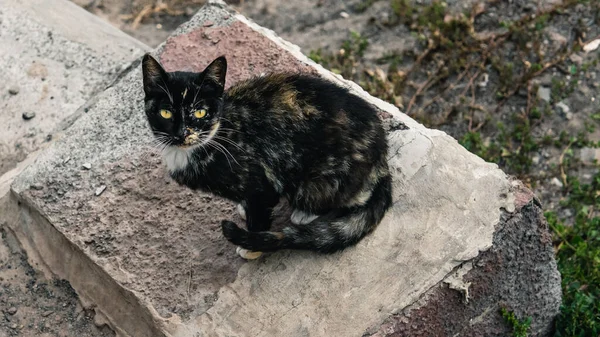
590, 46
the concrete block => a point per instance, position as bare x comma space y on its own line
55, 56
461, 240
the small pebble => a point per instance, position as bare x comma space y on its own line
567, 213
556, 182
12, 310
14, 326
344, 15
13, 90
100, 189
544, 93
87, 166
575, 58
28, 115
484, 82
569, 116
47, 313
562, 106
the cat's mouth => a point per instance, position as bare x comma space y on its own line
190, 140
197, 139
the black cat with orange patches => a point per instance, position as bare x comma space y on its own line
281, 135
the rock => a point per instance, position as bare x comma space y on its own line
344, 15
12, 310
567, 213
47, 313
13, 90
28, 115
556, 182
469, 223
589, 155
86, 166
576, 58
563, 107
99, 190
83, 3
46, 40
557, 38
484, 82
544, 94
569, 116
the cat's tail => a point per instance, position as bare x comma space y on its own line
326, 234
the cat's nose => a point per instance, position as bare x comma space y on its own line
186, 132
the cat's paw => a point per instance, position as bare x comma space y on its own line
232, 232
247, 254
241, 211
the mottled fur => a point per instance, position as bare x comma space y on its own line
281, 135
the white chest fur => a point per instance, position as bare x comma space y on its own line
175, 158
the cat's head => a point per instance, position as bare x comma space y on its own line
183, 108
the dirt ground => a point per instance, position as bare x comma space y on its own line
524, 94
31, 305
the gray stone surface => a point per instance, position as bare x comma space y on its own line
149, 255
517, 273
55, 57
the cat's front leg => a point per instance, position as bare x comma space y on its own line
258, 213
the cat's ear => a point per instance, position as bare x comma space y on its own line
154, 74
216, 71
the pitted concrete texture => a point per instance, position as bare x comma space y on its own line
55, 57
518, 273
150, 257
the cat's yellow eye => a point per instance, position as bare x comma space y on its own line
166, 114
200, 113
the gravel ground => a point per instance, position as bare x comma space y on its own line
31, 305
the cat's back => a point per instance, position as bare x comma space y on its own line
300, 96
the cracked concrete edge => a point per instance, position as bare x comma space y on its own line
452, 294
45, 246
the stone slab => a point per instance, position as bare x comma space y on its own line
517, 273
55, 56
150, 257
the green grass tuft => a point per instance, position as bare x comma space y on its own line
519, 327
578, 258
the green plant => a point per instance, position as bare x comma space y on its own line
519, 327
578, 258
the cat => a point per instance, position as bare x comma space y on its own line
281, 135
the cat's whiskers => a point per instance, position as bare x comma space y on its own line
219, 147
227, 151
230, 142
210, 143
156, 145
